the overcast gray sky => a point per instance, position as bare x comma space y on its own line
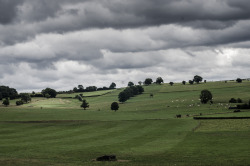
63, 43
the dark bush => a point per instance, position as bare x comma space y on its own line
236, 110
243, 106
239, 100
19, 102
232, 100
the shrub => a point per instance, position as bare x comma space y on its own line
114, 106
239, 100
232, 100
239, 80
19, 102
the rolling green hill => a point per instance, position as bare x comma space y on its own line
144, 131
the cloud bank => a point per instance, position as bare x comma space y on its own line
60, 44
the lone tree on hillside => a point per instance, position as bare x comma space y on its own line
159, 80
205, 96
114, 106
171, 83
197, 79
112, 85
6, 102
130, 84
183, 82
85, 104
148, 81
239, 80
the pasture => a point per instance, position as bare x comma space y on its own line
144, 131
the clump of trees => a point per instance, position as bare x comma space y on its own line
205, 96
25, 97
233, 100
7, 92
130, 92
49, 93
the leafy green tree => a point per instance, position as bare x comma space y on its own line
85, 104
148, 81
130, 84
114, 106
183, 82
75, 89
159, 80
25, 97
239, 80
1, 96
139, 82
49, 91
122, 96
171, 83
112, 85
205, 96
6, 102
197, 79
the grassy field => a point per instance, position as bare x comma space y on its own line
144, 131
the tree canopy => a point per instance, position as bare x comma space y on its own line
85, 104
159, 80
112, 85
205, 96
114, 106
52, 93
148, 81
197, 79
7, 92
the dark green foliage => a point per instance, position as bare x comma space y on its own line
140, 89
80, 87
191, 82
112, 85
197, 79
85, 104
239, 100
139, 82
122, 96
49, 91
19, 102
183, 82
130, 84
25, 97
243, 106
114, 106
130, 92
205, 96
79, 97
6, 102
171, 83
148, 81
232, 100
205, 81
6, 92
239, 80
159, 80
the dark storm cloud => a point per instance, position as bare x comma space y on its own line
8, 10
